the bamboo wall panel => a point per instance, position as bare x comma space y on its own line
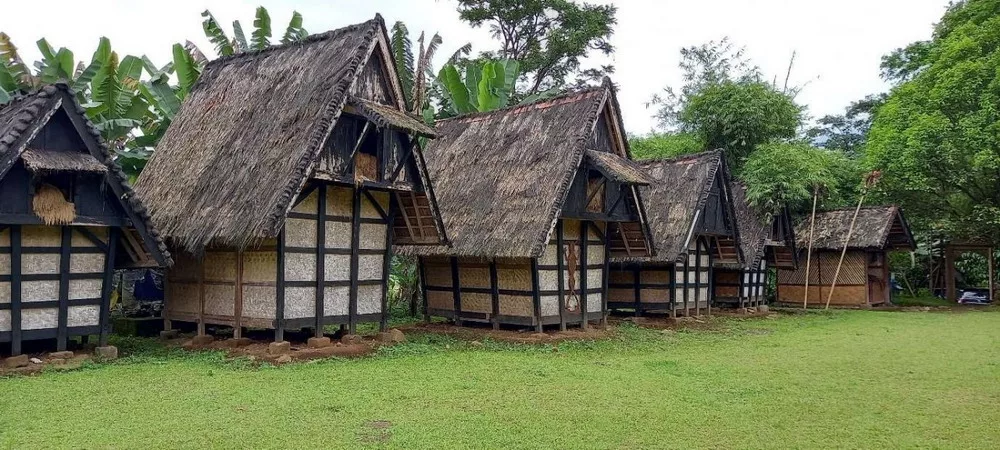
86, 263
39, 319
511, 305
477, 276
370, 267
478, 303
182, 297
514, 277
39, 291
621, 295
437, 275
4, 320
339, 201
302, 233
373, 236
338, 301
440, 300
82, 289
337, 268
259, 301
652, 295
82, 316
550, 305
369, 299
41, 236
300, 302
338, 234
220, 300
300, 267
308, 205
78, 240
39, 264
260, 266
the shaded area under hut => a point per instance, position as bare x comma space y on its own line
864, 276
68, 219
766, 240
693, 227
284, 181
535, 198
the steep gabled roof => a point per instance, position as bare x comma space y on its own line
681, 187
250, 132
502, 177
877, 227
23, 118
753, 224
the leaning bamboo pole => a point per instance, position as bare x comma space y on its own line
812, 222
869, 183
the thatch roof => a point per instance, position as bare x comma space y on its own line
387, 116
249, 135
753, 224
681, 187
618, 169
55, 161
502, 177
22, 119
877, 227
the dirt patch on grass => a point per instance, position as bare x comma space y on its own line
41, 362
258, 350
519, 336
375, 431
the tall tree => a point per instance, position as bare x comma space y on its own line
847, 132
548, 38
937, 138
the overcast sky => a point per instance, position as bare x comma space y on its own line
838, 43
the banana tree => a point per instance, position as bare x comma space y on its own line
260, 36
485, 87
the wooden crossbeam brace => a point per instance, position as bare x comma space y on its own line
376, 205
600, 188
618, 200
416, 213
402, 162
628, 248
406, 217
357, 146
92, 237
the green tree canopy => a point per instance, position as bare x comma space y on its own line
788, 173
665, 145
937, 138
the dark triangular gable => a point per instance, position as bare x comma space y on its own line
717, 218
899, 235
54, 121
780, 245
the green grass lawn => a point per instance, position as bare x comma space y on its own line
857, 379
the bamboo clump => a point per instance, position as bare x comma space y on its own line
49, 205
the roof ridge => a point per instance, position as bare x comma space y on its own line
312, 38
684, 157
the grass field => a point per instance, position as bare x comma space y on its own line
842, 379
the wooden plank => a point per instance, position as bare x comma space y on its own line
560, 265
673, 290
536, 295
456, 290
495, 294
416, 214
584, 231
67, 242
402, 162
279, 306
321, 259
406, 217
687, 275
352, 314
107, 285
637, 290
15, 289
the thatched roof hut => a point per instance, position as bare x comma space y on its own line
502, 177
678, 202
253, 129
877, 227
759, 230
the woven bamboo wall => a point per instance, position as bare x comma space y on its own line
85, 260
852, 283
697, 274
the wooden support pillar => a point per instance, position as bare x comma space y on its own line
15, 290
106, 286
584, 245
63, 311
687, 275
456, 290
742, 297
637, 290
423, 286
238, 304
320, 311
673, 289
201, 294
561, 277
279, 290
604, 280
352, 314
386, 263
711, 274
697, 278
536, 296
495, 294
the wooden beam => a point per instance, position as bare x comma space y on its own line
711, 277
495, 294
591, 195
201, 295
357, 146
628, 248
63, 311
456, 290
406, 217
279, 286
697, 277
15, 290
673, 289
536, 296
378, 208
416, 214
103, 246
352, 315
636, 272
604, 281
320, 307
584, 244
687, 275
402, 162
107, 285
561, 277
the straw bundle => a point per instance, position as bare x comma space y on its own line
49, 205
365, 168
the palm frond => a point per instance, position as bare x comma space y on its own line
260, 38
216, 35
402, 52
239, 39
294, 32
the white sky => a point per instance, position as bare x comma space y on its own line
839, 43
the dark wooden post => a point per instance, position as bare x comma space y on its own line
711, 275
673, 289
637, 290
561, 277
495, 294
604, 280
321, 259
584, 244
352, 314
64, 255
386, 264
279, 290
108, 282
687, 274
15, 290
697, 277
536, 296
456, 290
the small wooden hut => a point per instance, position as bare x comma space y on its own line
693, 225
864, 275
766, 240
534, 198
67, 220
283, 181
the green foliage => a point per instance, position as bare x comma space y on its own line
485, 87
261, 36
937, 138
548, 38
786, 174
294, 31
665, 145
847, 132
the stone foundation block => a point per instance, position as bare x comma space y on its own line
279, 348
318, 342
108, 353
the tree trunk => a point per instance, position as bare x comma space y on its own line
812, 223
